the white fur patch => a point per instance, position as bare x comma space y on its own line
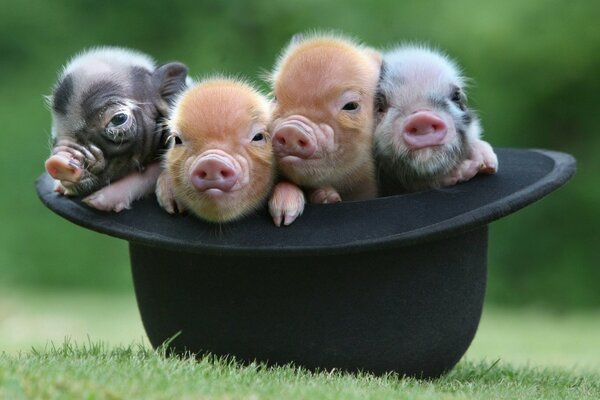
423, 60
98, 57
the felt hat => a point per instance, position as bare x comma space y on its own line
391, 284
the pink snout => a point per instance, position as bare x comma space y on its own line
214, 172
63, 168
290, 140
424, 129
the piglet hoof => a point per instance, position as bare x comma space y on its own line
59, 188
106, 202
166, 196
489, 160
324, 196
286, 203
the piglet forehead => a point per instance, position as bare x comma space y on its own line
419, 70
218, 109
318, 72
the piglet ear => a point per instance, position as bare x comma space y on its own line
297, 38
169, 80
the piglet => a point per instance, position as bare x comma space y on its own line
324, 87
107, 111
426, 136
220, 164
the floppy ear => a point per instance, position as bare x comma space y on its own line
169, 80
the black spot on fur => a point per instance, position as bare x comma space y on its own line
62, 95
467, 118
382, 71
381, 103
98, 96
439, 103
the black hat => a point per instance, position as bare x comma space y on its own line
390, 284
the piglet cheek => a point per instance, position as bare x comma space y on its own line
326, 139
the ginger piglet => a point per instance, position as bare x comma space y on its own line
322, 124
220, 164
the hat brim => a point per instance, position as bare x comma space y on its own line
524, 177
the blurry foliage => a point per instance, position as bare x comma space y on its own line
536, 83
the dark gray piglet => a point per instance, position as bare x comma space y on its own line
107, 130
426, 136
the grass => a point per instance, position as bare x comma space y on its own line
98, 371
517, 354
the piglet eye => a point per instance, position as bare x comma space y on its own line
455, 96
258, 137
119, 119
351, 106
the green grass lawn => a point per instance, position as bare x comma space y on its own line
517, 354
95, 371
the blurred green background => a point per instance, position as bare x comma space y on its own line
536, 83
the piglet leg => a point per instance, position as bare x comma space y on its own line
465, 171
120, 194
166, 195
482, 160
485, 153
286, 203
59, 188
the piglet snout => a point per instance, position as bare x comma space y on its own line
424, 129
63, 168
292, 139
214, 172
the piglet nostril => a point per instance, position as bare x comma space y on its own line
290, 140
226, 173
423, 123
214, 173
62, 168
424, 129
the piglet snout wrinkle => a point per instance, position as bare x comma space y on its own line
214, 172
293, 139
424, 129
63, 168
